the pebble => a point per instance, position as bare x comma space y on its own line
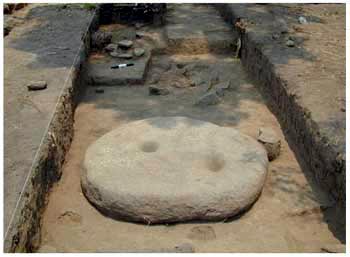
156, 90
37, 85
139, 52
139, 25
125, 43
125, 56
184, 248
210, 98
155, 77
302, 20
111, 47
290, 43
270, 141
282, 25
222, 87
99, 90
114, 54
140, 34
275, 36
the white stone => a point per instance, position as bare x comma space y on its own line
271, 142
169, 169
125, 43
139, 52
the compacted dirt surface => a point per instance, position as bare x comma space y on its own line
39, 47
291, 213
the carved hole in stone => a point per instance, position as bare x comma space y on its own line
149, 146
215, 163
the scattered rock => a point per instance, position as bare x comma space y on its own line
124, 56
155, 77
334, 248
163, 64
290, 43
114, 54
37, 85
203, 233
275, 36
99, 90
70, 216
282, 25
139, 52
139, 25
210, 98
176, 84
100, 39
125, 43
302, 20
221, 87
270, 141
140, 34
111, 47
184, 248
156, 90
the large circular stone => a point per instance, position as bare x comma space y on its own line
169, 169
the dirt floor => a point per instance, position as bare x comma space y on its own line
286, 218
291, 214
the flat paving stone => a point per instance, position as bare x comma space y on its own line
171, 169
100, 72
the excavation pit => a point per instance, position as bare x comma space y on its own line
174, 169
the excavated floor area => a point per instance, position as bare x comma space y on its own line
290, 215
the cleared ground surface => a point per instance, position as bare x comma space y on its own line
286, 218
42, 47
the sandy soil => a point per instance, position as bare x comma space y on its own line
289, 216
286, 218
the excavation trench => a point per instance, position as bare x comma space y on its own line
183, 55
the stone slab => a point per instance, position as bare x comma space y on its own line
100, 72
171, 169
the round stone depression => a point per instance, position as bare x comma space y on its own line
171, 169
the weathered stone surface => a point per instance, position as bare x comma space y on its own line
111, 47
125, 56
100, 38
100, 73
221, 88
125, 43
209, 98
271, 142
173, 169
290, 43
158, 90
139, 52
114, 54
37, 85
140, 34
